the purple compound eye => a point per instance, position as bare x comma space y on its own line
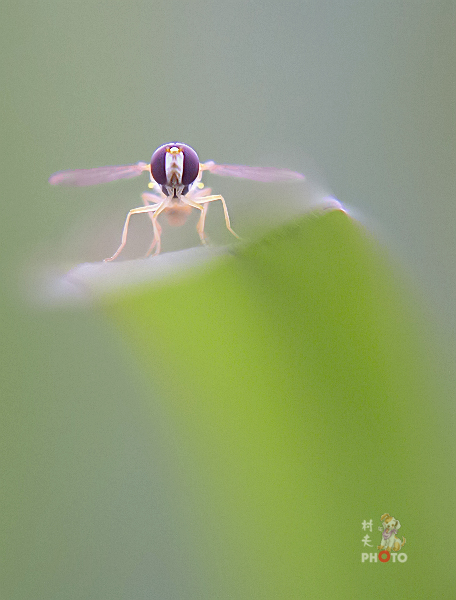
158, 163
191, 165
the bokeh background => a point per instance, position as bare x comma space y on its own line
360, 96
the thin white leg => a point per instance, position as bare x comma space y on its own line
156, 242
206, 199
200, 225
133, 211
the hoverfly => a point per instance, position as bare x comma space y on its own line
175, 179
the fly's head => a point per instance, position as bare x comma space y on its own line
174, 167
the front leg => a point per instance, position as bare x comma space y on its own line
151, 200
134, 211
200, 225
203, 202
156, 242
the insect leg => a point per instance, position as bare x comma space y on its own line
156, 242
206, 199
148, 199
133, 211
200, 225
151, 199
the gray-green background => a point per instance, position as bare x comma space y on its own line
361, 95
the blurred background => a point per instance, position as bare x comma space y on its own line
359, 96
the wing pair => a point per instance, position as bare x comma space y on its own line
83, 177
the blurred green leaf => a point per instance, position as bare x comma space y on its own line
297, 380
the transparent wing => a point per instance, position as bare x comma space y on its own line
81, 177
265, 174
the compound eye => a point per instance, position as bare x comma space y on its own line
191, 165
158, 162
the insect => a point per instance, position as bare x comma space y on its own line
175, 180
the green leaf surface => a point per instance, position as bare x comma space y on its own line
297, 381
